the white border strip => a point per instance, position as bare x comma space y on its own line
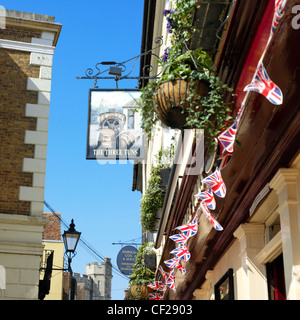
25, 46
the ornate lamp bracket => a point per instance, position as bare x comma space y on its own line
117, 69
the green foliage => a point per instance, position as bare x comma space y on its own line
151, 200
182, 65
146, 107
165, 157
182, 17
144, 249
212, 112
141, 274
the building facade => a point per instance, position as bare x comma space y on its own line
52, 262
27, 45
95, 284
256, 255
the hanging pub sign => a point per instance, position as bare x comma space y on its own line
126, 259
114, 130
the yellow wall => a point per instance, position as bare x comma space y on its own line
56, 287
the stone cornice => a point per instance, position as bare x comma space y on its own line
25, 46
35, 25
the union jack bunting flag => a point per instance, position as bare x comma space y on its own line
216, 183
172, 263
155, 296
227, 138
189, 229
208, 197
179, 238
182, 252
171, 281
163, 273
279, 6
181, 268
240, 112
265, 86
225, 156
223, 160
210, 218
156, 285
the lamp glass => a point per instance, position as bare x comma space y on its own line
71, 240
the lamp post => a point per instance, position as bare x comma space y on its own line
71, 238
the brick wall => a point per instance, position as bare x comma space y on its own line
26, 55
69, 287
52, 230
14, 71
19, 34
66, 285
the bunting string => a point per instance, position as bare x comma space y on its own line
213, 185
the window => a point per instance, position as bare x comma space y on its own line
272, 225
224, 287
274, 228
130, 120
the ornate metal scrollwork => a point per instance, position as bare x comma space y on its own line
94, 74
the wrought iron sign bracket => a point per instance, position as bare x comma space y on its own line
116, 69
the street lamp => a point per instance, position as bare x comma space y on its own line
71, 238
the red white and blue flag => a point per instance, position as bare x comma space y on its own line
265, 86
207, 196
224, 155
163, 273
210, 218
181, 267
179, 238
279, 6
155, 296
227, 139
172, 263
182, 252
175, 263
223, 160
171, 281
189, 229
216, 183
156, 285
240, 112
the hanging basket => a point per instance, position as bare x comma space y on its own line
173, 100
140, 292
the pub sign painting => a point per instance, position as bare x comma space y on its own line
114, 130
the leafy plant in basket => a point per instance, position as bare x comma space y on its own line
188, 94
138, 282
141, 275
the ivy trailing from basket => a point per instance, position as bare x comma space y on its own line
140, 273
151, 200
144, 249
212, 112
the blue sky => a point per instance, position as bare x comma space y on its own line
98, 197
